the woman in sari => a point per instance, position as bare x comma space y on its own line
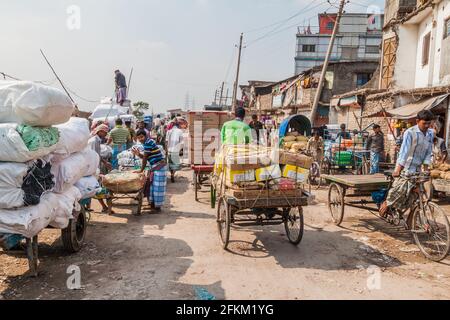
157, 181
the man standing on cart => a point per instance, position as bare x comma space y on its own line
375, 144
415, 152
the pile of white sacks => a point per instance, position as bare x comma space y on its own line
72, 162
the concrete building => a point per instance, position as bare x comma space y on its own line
358, 39
416, 44
414, 70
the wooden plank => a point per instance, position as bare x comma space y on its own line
365, 182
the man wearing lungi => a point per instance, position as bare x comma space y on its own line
157, 180
121, 87
415, 152
118, 139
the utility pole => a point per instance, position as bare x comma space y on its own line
215, 97
237, 74
221, 94
226, 97
326, 62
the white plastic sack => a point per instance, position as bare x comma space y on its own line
11, 179
33, 104
54, 209
13, 149
105, 151
88, 186
68, 171
73, 137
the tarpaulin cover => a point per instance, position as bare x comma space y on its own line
33, 104
411, 110
13, 148
298, 123
36, 138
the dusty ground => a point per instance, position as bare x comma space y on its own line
170, 255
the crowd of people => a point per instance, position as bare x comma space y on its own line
161, 149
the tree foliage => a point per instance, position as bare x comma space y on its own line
139, 109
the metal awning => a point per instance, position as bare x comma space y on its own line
411, 110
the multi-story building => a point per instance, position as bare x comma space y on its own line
359, 38
416, 44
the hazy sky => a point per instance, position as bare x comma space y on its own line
175, 46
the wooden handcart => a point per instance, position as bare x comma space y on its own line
202, 174
361, 185
425, 220
72, 238
261, 210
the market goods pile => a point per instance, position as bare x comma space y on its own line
43, 154
248, 171
441, 172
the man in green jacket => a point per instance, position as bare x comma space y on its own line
236, 131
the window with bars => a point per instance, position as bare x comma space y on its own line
426, 49
372, 49
308, 48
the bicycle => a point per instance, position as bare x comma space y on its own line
427, 222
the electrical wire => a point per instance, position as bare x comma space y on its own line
282, 21
277, 29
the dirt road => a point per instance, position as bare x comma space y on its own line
176, 255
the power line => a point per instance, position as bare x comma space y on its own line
277, 29
282, 21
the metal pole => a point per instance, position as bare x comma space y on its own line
221, 94
237, 74
54, 72
325, 64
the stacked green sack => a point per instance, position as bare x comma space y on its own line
36, 138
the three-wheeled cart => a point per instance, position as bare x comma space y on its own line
261, 211
426, 221
202, 174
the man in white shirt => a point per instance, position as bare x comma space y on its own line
174, 140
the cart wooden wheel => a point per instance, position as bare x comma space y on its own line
224, 222
73, 236
336, 203
294, 225
140, 199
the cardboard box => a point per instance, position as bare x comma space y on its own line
236, 176
208, 118
295, 159
296, 173
225, 117
262, 194
268, 173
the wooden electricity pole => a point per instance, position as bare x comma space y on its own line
236, 82
326, 62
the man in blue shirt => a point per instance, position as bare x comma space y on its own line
415, 153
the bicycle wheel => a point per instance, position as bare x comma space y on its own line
293, 224
336, 203
223, 222
431, 231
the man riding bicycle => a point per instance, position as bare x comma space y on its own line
415, 152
